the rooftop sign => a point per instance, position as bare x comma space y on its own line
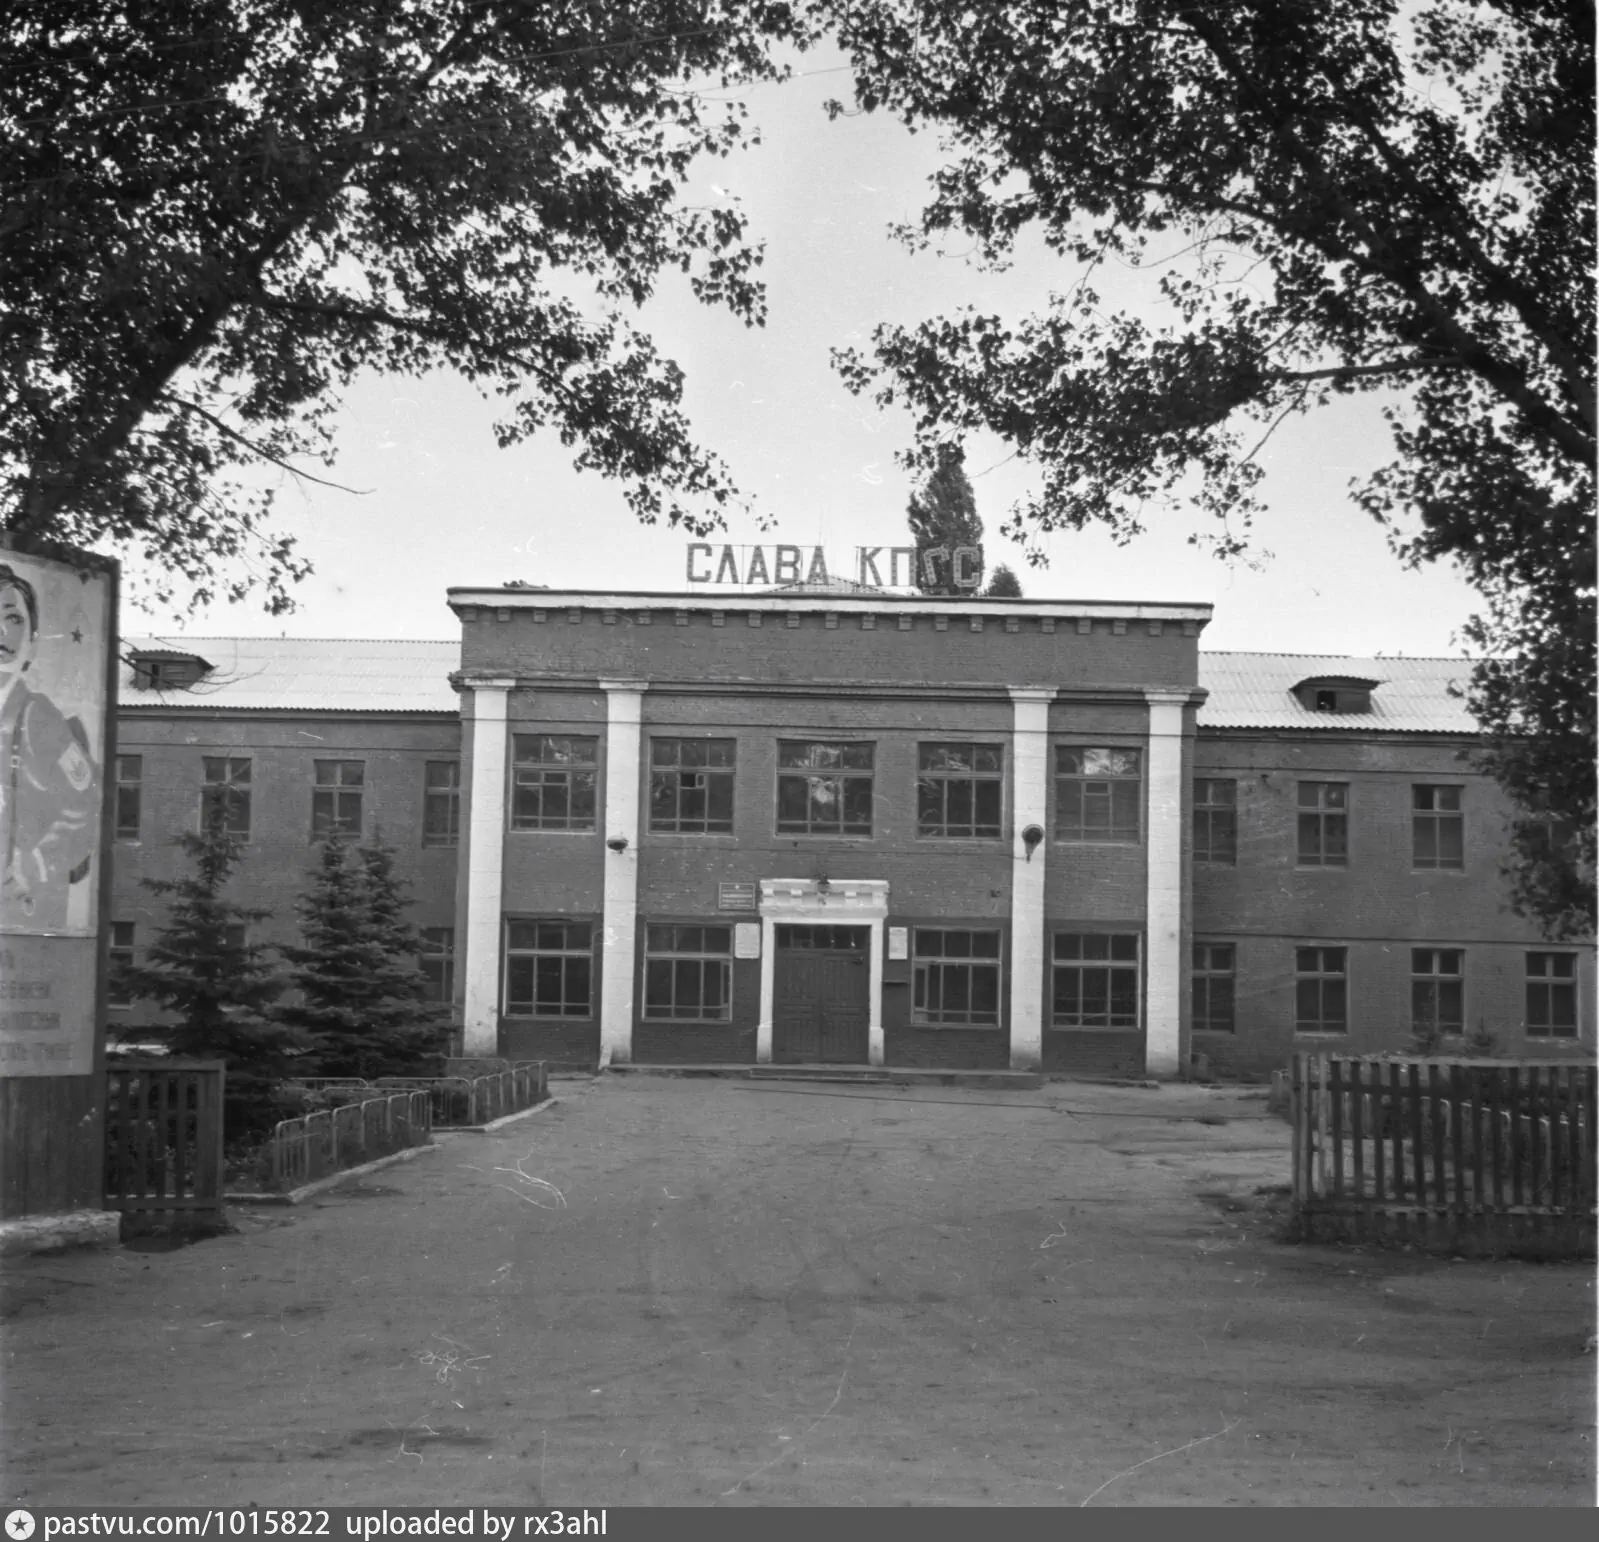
875, 567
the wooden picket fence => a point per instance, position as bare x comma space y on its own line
1478, 1156
163, 1143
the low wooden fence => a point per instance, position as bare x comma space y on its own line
1464, 1155
336, 1139
163, 1143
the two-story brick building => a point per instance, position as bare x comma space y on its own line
873, 829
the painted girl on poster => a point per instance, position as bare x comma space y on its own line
49, 782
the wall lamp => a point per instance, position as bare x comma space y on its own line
1031, 836
617, 843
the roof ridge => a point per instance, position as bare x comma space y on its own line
1382, 658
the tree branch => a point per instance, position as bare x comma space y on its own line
256, 449
1355, 371
1457, 221
1381, 257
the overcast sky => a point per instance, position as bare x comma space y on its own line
444, 506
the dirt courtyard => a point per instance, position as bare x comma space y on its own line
685, 1291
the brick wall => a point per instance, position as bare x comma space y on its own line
279, 855
1378, 906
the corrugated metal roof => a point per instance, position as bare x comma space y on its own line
306, 674
1255, 690
1247, 690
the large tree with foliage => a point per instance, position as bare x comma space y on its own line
942, 515
361, 999
214, 213
219, 987
1369, 197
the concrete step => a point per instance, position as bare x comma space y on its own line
893, 1076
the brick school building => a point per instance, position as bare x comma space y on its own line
869, 829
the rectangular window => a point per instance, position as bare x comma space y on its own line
336, 802
130, 788
691, 786
118, 993
957, 978
1097, 793
959, 789
437, 962
688, 973
824, 789
441, 803
554, 780
1216, 822
225, 797
1321, 986
1096, 980
1439, 827
1213, 980
1437, 990
549, 968
1552, 995
1324, 824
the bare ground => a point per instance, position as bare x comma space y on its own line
780, 1294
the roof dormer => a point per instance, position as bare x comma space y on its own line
1336, 694
167, 669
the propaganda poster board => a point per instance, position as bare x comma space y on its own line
57, 689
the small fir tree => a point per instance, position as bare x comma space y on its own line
361, 993
1003, 584
202, 968
943, 515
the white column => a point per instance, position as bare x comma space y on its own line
763, 1029
1030, 806
874, 1017
484, 704
1163, 911
624, 704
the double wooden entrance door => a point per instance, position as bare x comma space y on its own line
821, 995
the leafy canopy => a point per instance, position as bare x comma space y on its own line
1370, 197
217, 212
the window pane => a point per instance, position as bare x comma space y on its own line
858, 803
1308, 1001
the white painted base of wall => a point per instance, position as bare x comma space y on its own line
74, 1229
